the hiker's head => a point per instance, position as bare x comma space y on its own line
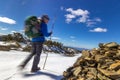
45, 18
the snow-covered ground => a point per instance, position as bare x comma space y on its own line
54, 68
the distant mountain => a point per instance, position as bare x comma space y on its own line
77, 48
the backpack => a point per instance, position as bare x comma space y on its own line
32, 27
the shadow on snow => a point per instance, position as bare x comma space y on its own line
53, 76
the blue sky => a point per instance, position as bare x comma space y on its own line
79, 23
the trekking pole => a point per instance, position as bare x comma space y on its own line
50, 40
45, 61
52, 26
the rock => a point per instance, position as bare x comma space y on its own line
101, 45
77, 70
66, 74
92, 73
86, 54
98, 57
80, 78
119, 47
102, 77
111, 45
115, 66
101, 63
110, 73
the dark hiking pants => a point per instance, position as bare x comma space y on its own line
36, 52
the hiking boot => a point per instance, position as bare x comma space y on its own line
35, 70
21, 67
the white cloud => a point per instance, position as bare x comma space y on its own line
72, 37
13, 31
82, 15
3, 28
78, 12
69, 9
73, 40
68, 20
62, 8
83, 19
7, 20
55, 38
2, 34
92, 22
22, 31
99, 30
69, 17
98, 19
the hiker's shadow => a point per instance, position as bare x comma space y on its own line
53, 76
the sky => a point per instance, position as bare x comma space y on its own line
78, 23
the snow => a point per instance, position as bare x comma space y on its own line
23, 45
55, 66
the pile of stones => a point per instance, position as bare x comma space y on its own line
102, 63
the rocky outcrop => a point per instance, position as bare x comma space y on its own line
101, 63
6, 46
12, 45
